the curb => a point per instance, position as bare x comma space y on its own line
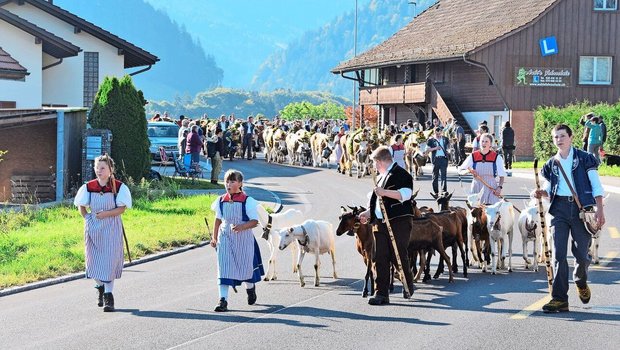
81, 275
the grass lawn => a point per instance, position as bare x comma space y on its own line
36, 245
197, 184
603, 170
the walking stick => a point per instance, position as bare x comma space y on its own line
491, 188
122, 226
391, 234
543, 226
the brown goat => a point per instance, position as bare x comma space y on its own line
479, 232
364, 242
426, 235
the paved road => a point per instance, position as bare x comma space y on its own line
168, 303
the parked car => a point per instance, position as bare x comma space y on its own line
162, 134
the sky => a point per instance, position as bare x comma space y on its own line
242, 34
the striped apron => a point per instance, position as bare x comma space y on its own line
103, 240
238, 255
485, 171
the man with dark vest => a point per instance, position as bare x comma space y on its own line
248, 134
439, 145
395, 186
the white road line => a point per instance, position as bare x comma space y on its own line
613, 232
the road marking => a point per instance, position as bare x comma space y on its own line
608, 258
613, 232
525, 313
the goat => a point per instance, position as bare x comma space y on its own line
313, 236
531, 231
271, 222
500, 226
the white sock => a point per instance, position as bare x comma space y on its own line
99, 283
249, 285
223, 291
108, 286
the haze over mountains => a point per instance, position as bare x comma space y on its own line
255, 45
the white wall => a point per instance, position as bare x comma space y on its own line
495, 124
64, 84
20, 45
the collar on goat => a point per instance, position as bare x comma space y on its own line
267, 228
305, 242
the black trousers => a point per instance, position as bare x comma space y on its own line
508, 156
440, 169
385, 256
247, 145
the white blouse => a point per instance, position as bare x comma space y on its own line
250, 208
123, 197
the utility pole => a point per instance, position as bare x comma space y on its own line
354, 82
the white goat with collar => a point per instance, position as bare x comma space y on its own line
313, 236
500, 221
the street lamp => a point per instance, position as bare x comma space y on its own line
354, 82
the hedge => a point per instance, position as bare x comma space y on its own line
545, 118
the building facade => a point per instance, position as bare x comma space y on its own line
496, 60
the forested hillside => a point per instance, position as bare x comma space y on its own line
184, 66
306, 62
241, 103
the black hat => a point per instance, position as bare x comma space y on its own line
439, 128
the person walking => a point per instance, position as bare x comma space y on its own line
508, 146
488, 166
238, 255
248, 136
438, 145
101, 203
215, 151
581, 169
459, 134
595, 137
400, 213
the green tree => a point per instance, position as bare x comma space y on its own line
119, 107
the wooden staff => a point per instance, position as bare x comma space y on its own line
391, 234
543, 226
122, 226
491, 188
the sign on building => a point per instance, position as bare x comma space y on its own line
536, 76
548, 46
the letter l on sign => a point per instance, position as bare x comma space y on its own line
548, 46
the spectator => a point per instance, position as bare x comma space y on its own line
194, 145
586, 130
595, 138
508, 146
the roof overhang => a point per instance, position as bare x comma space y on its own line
395, 63
52, 44
134, 56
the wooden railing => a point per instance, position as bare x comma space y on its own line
393, 94
439, 105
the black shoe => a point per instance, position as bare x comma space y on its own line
108, 301
222, 306
214, 182
379, 300
99, 295
251, 295
555, 306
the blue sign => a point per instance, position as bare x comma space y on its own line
548, 46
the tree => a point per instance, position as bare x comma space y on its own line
371, 116
119, 107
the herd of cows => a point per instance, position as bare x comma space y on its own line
484, 231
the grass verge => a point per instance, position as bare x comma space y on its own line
40, 244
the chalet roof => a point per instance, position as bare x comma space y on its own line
448, 30
134, 56
52, 44
10, 66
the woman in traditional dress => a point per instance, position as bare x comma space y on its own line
101, 202
238, 255
487, 165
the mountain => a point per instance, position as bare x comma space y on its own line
305, 63
240, 102
184, 67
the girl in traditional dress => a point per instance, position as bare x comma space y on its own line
107, 198
487, 165
397, 149
238, 255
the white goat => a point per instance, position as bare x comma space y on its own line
313, 236
531, 231
271, 223
500, 221
596, 238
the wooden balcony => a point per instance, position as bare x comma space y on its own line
393, 94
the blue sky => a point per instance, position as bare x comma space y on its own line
242, 34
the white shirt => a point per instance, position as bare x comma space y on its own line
250, 208
123, 197
405, 193
469, 163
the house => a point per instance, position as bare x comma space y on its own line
68, 77
498, 61
51, 65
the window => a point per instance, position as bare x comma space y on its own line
606, 5
91, 77
371, 76
595, 70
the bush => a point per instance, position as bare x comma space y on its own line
119, 107
545, 118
